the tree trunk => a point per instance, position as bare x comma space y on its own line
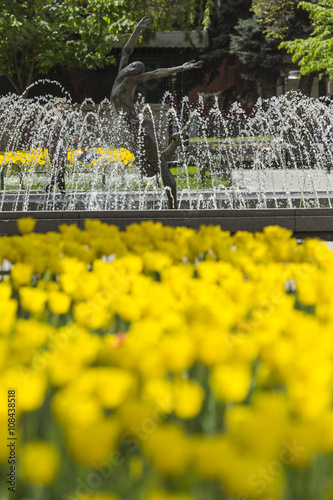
84, 83
305, 84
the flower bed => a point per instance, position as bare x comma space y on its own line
166, 364
108, 168
39, 156
23, 169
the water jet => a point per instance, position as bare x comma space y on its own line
270, 159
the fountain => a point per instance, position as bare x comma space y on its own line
269, 159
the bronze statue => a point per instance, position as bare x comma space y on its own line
122, 97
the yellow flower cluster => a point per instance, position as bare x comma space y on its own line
40, 156
167, 363
37, 156
114, 154
120, 155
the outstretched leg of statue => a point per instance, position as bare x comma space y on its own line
177, 139
151, 162
169, 182
58, 161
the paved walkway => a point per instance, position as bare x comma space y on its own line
279, 181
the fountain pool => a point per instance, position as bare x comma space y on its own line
278, 157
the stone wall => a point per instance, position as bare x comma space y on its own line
316, 222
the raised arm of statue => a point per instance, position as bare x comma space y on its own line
161, 72
129, 47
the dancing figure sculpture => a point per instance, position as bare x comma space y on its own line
122, 96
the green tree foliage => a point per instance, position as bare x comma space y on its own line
277, 15
222, 26
283, 20
173, 14
37, 35
259, 54
224, 19
315, 53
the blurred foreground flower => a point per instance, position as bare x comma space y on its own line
26, 225
168, 364
39, 462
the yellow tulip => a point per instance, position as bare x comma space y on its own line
39, 462
26, 225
